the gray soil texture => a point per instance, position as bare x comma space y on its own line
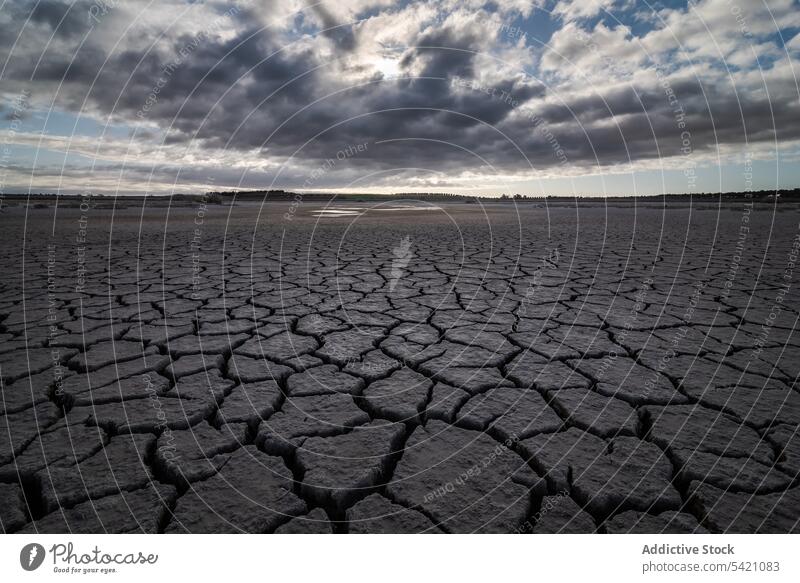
464, 368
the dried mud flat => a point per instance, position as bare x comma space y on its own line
464, 369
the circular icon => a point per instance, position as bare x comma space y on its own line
31, 556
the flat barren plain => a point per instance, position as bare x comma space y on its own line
399, 368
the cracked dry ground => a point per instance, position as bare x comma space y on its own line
305, 383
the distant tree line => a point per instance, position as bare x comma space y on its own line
782, 194
220, 196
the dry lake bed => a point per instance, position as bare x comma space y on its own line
403, 367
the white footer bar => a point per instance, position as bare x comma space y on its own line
400, 559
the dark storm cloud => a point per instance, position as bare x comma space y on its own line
341, 34
64, 18
444, 53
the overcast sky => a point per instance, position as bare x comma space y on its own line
512, 96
